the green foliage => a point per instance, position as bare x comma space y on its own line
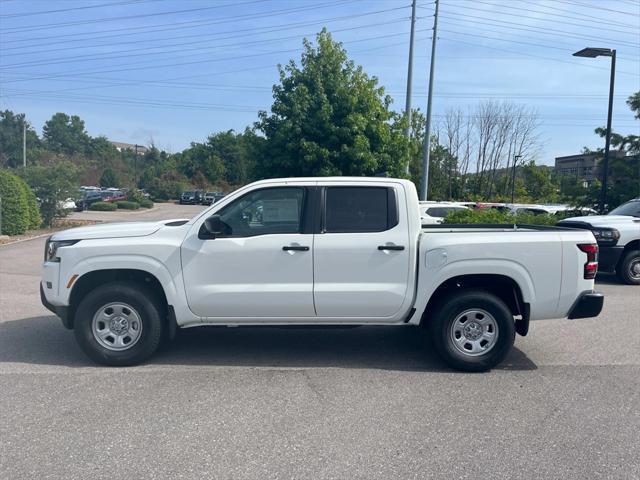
15, 208
494, 216
329, 118
109, 179
65, 134
146, 203
11, 127
168, 185
52, 184
127, 205
103, 207
32, 205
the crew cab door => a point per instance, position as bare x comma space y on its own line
261, 266
361, 255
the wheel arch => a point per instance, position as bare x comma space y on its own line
502, 286
90, 280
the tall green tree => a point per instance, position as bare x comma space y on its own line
11, 131
328, 118
65, 134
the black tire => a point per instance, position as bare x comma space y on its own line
145, 306
624, 268
441, 330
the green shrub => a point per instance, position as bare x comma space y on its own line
146, 203
127, 205
52, 184
15, 207
103, 206
494, 216
34, 211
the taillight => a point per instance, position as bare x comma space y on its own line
591, 267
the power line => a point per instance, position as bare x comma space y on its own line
131, 67
268, 29
599, 7
528, 54
527, 25
591, 19
534, 29
115, 19
546, 46
598, 20
86, 7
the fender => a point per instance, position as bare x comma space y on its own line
144, 263
429, 280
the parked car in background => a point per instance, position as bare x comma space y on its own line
432, 213
192, 197
208, 198
68, 204
88, 197
113, 195
618, 236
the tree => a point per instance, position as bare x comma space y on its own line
109, 178
52, 184
65, 134
11, 130
328, 118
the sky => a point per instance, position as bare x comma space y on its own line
172, 72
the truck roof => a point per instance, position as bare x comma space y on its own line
334, 179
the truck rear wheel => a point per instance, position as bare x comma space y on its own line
628, 269
472, 330
118, 324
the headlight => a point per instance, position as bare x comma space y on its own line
52, 246
606, 236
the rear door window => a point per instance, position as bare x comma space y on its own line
359, 209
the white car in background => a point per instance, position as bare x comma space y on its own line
432, 213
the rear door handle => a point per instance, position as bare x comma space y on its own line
390, 247
295, 248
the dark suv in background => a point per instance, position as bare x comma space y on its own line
193, 197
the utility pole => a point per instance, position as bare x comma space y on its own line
135, 168
424, 187
24, 143
407, 108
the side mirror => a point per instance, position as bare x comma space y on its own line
212, 226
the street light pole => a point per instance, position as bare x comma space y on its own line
593, 53
407, 108
424, 184
607, 141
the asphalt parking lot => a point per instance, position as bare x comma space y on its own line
314, 403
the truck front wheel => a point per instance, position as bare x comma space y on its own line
118, 324
629, 268
472, 330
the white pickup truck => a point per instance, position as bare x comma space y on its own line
316, 251
618, 236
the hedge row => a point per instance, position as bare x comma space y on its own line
494, 216
128, 205
20, 210
103, 206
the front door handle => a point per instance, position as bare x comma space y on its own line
295, 248
391, 247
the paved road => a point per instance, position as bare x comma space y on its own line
277, 403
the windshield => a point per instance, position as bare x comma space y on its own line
631, 208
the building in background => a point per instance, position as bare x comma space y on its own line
585, 166
120, 146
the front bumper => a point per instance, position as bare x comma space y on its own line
608, 258
60, 311
588, 305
